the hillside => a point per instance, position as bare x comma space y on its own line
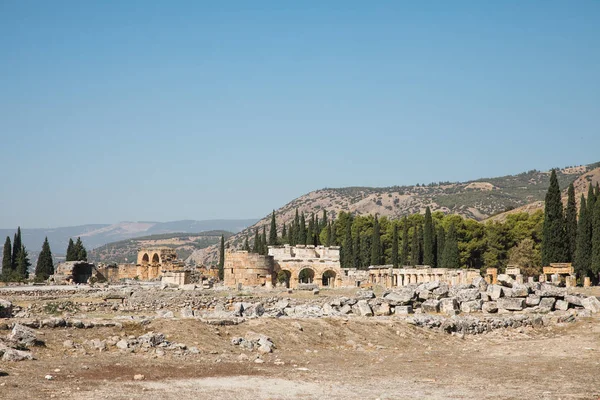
125, 251
479, 199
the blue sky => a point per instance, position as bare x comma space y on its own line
156, 110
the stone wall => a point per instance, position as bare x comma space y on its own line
247, 269
389, 277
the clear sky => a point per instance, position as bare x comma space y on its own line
165, 110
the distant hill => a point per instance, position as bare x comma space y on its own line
479, 199
96, 235
125, 251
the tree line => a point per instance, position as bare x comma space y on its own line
16, 263
529, 241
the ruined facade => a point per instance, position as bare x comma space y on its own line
390, 277
247, 269
74, 272
152, 264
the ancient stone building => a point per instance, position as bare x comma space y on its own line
390, 277
152, 264
74, 272
247, 269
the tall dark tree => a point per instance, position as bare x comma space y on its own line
80, 251
395, 257
376, 243
222, 258
451, 256
71, 252
310, 231
365, 251
17, 245
45, 266
591, 202
246, 245
7, 260
554, 239
273, 231
356, 252
595, 262
296, 228
420, 240
347, 252
263, 242
284, 234
257, 242
290, 235
414, 248
583, 253
571, 223
428, 240
23, 264
405, 243
440, 241
324, 221
333, 238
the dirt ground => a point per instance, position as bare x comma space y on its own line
327, 359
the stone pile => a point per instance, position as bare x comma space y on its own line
262, 343
13, 347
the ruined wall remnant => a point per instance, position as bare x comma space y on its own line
247, 269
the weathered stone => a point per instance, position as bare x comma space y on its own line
22, 335
14, 355
548, 290
471, 306
561, 305
383, 309
505, 280
400, 297
152, 339
467, 295
494, 291
591, 303
138, 377
122, 344
507, 292
575, 300
68, 344
345, 309
429, 286
546, 304
490, 307
448, 305
403, 310
164, 314
365, 294
6, 308
532, 300
511, 303
187, 312
264, 349
363, 308
519, 290
431, 306
441, 291
425, 295
480, 283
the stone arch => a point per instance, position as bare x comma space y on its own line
145, 259
284, 277
306, 275
155, 259
328, 278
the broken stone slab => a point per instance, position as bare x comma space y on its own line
532, 300
187, 312
575, 300
490, 307
449, 305
505, 280
480, 283
591, 303
431, 306
22, 335
561, 305
519, 290
383, 310
441, 291
546, 304
152, 339
122, 344
511, 303
424, 295
14, 355
365, 295
363, 308
548, 290
494, 291
345, 309
471, 306
400, 297
467, 295
403, 310
429, 286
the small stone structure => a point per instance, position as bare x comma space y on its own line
176, 277
390, 277
515, 273
152, 264
247, 269
74, 272
559, 273
491, 276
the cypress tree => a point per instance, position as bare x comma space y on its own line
71, 252
290, 235
356, 251
17, 245
591, 201
554, 240
80, 251
420, 240
451, 256
284, 234
347, 253
324, 221
45, 266
583, 251
440, 241
7, 260
595, 262
273, 231
296, 229
365, 251
405, 245
395, 258
263, 243
414, 249
310, 231
222, 258
22, 270
317, 225
246, 245
302, 233
428, 240
376, 244
333, 240
256, 246
571, 223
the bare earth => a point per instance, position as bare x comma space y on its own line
328, 359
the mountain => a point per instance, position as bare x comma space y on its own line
480, 199
125, 251
96, 235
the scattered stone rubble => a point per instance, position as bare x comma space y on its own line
252, 340
14, 347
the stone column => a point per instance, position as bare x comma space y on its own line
587, 282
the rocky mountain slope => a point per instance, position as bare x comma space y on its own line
125, 251
479, 199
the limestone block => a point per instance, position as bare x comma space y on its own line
561, 305
363, 308
505, 280
431, 306
467, 295
549, 290
400, 297
519, 290
591, 303
403, 310
490, 307
575, 300
480, 283
546, 304
471, 306
532, 300
494, 291
383, 309
449, 305
511, 303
